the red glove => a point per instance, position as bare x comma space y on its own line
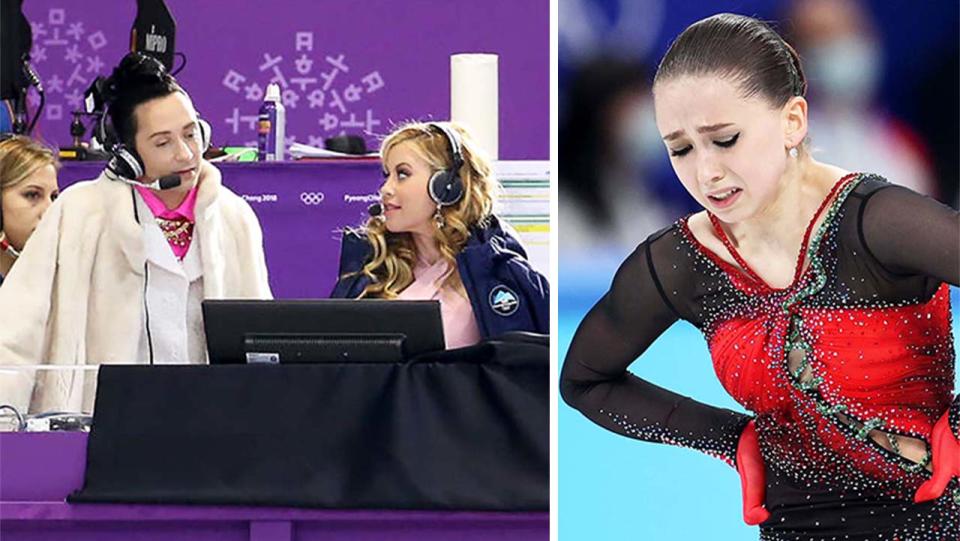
752, 478
946, 461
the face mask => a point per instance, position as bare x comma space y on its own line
844, 69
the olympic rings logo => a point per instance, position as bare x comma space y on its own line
311, 198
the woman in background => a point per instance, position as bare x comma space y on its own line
28, 185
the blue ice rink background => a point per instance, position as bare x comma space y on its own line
616, 488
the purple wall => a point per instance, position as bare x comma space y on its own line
395, 55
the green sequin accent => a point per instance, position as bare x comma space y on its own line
810, 287
800, 368
818, 278
830, 411
798, 344
918, 466
895, 443
871, 424
816, 263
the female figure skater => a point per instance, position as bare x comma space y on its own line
823, 298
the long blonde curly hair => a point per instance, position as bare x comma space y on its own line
394, 254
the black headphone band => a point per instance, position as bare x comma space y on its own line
456, 154
124, 160
445, 186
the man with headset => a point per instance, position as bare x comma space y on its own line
122, 262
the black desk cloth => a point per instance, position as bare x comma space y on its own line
465, 429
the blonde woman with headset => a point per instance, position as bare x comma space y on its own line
435, 236
28, 185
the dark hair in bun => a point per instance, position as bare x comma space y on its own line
137, 79
745, 49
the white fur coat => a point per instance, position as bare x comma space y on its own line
75, 296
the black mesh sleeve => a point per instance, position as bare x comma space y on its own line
616, 331
911, 234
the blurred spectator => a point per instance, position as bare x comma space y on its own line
843, 61
938, 110
606, 138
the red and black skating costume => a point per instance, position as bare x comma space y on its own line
837, 368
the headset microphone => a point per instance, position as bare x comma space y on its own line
5, 246
165, 182
376, 211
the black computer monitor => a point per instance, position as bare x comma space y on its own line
317, 331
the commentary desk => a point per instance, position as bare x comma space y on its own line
368, 451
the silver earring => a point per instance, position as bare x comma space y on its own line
793, 152
438, 218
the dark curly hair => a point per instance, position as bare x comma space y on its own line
137, 79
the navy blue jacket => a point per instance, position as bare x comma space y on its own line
505, 292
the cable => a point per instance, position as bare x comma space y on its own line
182, 65
146, 282
21, 423
146, 310
36, 116
34, 79
9, 104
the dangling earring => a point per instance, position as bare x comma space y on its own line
793, 152
438, 218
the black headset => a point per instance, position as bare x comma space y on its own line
446, 186
124, 161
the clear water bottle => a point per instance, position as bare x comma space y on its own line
271, 126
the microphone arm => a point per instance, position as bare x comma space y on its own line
165, 182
